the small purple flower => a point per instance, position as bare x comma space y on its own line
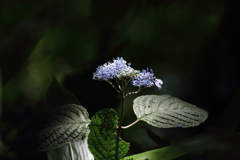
146, 79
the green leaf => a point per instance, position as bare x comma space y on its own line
102, 137
57, 95
165, 111
53, 128
165, 153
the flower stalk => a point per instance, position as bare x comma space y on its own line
120, 123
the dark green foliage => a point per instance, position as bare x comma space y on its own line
102, 137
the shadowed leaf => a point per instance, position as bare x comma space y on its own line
53, 128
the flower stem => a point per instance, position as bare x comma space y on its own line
139, 89
126, 83
113, 85
130, 125
120, 124
119, 86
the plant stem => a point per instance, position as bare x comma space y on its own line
133, 92
120, 124
71, 151
113, 85
125, 83
130, 125
119, 86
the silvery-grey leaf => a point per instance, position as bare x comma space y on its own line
80, 151
164, 111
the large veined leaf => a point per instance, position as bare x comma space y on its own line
53, 128
165, 111
165, 153
102, 137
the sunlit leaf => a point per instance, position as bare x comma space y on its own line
165, 153
53, 128
102, 137
80, 151
165, 111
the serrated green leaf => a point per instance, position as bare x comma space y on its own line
102, 137
165, 111
53, 128
165, 153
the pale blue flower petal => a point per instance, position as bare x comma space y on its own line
158, 83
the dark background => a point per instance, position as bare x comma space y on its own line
193, 46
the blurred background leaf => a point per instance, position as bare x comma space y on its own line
165, 153
58, 96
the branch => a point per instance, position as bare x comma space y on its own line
113, 86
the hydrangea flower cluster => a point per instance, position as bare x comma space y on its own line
121, 70
117, 69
